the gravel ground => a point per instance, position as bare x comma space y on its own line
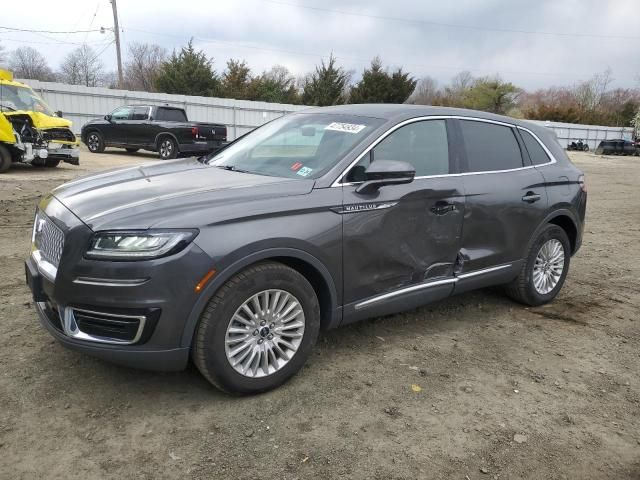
468, 388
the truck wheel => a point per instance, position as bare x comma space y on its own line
5, 159
132, 150
257, 330
50, 163
167, 148
546, 267
95, 142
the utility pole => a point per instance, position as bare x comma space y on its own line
116, 32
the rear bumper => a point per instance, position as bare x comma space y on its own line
202, 146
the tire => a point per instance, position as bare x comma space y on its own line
524, 289
95, 142
49, 163
212, 336
585, 148
5, 159
167, 148
132, 150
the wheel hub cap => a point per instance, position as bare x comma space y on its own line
548, 266
264, 333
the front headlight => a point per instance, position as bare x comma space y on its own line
138, 245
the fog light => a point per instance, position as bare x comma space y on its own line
42, 153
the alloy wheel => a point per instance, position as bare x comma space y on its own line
264, 333
93, 142
166, 148
548, 266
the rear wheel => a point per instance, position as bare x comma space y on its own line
132, 150
543, 274
257, 330
95, 142
585, 148
5, 159
167, 148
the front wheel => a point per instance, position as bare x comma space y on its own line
543, 274
95, 142
167, 148
5, 159
257, 330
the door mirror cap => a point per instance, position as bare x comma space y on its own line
107, 118
386, 172
59, 113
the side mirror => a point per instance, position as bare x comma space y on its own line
59, 113
107, 118
386, 172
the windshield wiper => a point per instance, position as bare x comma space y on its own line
233, 168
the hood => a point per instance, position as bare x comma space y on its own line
42, 121
173, 194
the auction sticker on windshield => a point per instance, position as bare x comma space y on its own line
345, 127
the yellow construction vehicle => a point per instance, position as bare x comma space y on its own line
30, 132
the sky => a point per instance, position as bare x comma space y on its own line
532, 43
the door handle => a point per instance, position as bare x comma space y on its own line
531, 197
442, 208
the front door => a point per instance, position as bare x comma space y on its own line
401, 242
115, 133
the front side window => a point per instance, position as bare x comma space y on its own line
297, 145
121, 113
490, 147
140, 113
423, 144
536, 152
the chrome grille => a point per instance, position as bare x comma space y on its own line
48, 239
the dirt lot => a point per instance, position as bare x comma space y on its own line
499, 391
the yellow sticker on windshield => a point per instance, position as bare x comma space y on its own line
345, 127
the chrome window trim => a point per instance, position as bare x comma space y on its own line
553, 160
429, 284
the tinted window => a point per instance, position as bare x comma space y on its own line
121, 113
140, 113
171, 115
490, 146
536, 152
422, 144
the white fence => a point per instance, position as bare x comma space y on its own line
591, 134
80, 104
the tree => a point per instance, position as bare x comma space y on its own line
426, 92
82, 67
142, 66
277, 85
377, 86
27, 62
189, 72
326, 85
236, 80
3, 55
491, 94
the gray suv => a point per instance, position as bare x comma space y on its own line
315, 220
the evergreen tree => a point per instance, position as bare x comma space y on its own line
377, 86
189, 72
236, 80
277, 86
326, 85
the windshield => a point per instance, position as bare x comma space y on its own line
14, 98
296, 146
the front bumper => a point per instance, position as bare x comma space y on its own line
73, 298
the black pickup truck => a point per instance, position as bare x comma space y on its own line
161, 129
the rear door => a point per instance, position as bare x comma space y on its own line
138, 129
400, 243
505, 202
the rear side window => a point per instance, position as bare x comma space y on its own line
171, 115
536, 152
490, 147
140, 113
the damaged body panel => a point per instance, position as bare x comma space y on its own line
29, 131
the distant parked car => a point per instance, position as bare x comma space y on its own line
617, 147
317, 219
163, 129
579, 145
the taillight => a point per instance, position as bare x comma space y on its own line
194, 132
581, 182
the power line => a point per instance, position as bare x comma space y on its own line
47, 31
451, 25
